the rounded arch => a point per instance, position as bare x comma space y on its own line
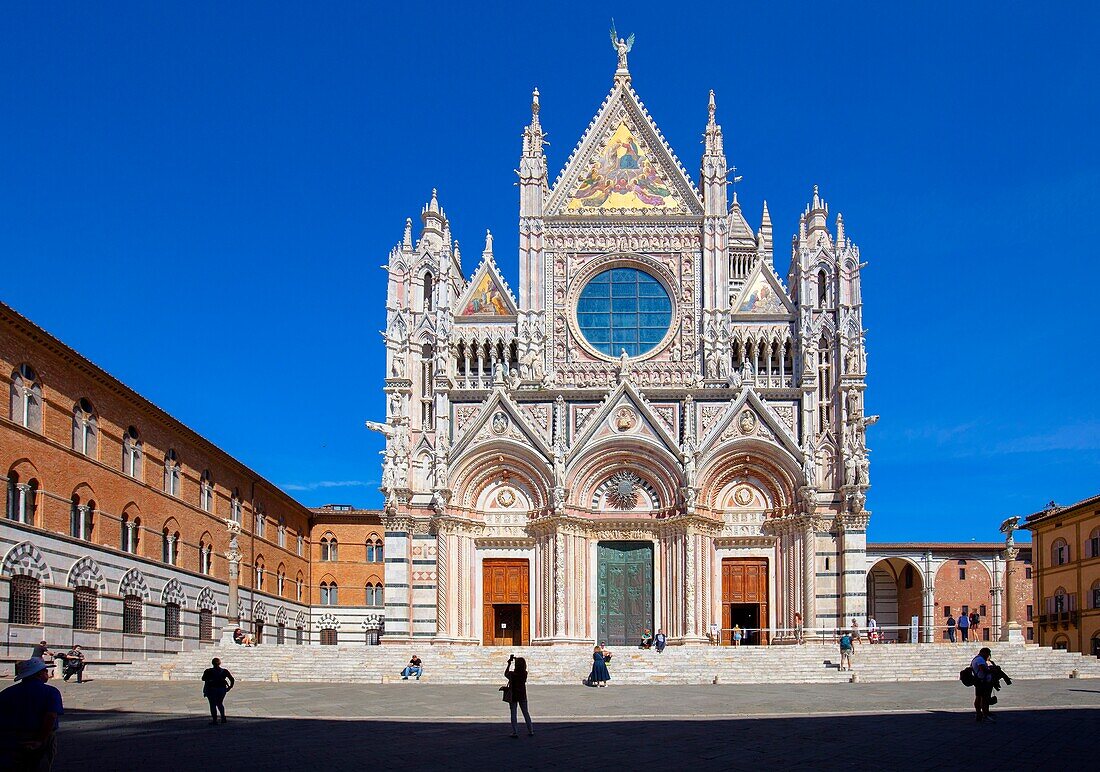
24, 559
87, 573
206, 600
133, 583
652, 463
895, 594
748, 459
173, 593
488, 464
259, 611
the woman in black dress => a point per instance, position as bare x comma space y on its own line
599, 675
517, 682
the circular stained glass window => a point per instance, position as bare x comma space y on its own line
624, 309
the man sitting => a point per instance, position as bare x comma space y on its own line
74, 664
647, 639
660, 641
414, 668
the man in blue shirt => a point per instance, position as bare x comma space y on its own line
964, 626
28, 718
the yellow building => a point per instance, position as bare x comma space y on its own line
1066, 556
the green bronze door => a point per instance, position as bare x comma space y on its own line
625, 591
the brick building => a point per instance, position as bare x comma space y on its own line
115, 530
1066, 541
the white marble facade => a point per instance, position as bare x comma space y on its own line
654, 381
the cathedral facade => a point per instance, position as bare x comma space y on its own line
655, 431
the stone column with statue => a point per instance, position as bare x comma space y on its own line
1011, 632
233, 560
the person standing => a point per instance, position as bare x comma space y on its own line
982, 667
74, 664
799, 632
855, 629
964, 627
42, 651
975, 623
737, 635
872, 630
846, 649
714, 633
951, 628
600, 674
216, 682
29, 713
517, 685
660, 641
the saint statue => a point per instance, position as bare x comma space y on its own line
622, 47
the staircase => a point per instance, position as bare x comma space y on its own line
569, 664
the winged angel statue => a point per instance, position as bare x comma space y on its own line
622, 47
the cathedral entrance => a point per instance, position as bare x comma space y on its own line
745, 599
624, 591
505, 602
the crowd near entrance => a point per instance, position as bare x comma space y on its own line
745, 600
624, 589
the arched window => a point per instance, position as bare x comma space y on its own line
206, 550
259, 573
299, 587
429, 287
22, 499
130, 534
235, 507
171, 620
132, 622
25, 603
85, 608
299, 635
206, 492
80, 519
259, 522
84, 428
282, 533
328, 637
26, 398
1093, 544
1096, 594
172, 474
374, 549
280, 633
301, 545
328, 548
206, 624
131, 453
374, 594
1060, 603
280, 580
170, 544
329, 594
1059, 552
822, 288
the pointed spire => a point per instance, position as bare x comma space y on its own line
710, 109
457, 253
765, 232
407, 240
487, 253
839, 228
433, 205
435, 222
817, 200
712, 137
532, 135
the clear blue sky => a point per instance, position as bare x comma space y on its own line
199, 197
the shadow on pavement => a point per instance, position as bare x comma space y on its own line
92, 741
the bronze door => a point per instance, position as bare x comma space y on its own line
624, 591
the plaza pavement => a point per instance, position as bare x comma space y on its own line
115, 725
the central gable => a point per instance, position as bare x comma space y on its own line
622, 166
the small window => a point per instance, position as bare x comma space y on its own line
282, 534
1094, 544
981, 610
826, 564
260, 523
26, 398
206, 492
301, 545
280, 634
235, 508
328, 548
299, 636
329, 595
172, 474
84, 428
962, 574
1027, 572
131, 453
132, 623
24, 605
1060, 552
966, 610
80, 519
946, 612
1030, 613
206, 624
85, 608
985, 633
1031, 633
908, 577
328, 637
171, 620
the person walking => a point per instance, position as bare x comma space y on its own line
737, 635
846, 649
964, 627
660, 641
600, 675
29, 713
872, 630
216, 682
517, 691
951, 628
73, 664
982, 667
975, 623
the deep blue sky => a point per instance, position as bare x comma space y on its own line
198, 198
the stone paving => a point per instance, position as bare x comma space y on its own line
111, 725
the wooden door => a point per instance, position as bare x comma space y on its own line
505, 582
744, 580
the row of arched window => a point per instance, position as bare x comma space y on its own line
330, 593
1061, 552
330, 548
26, 410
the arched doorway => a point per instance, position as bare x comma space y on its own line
895, 594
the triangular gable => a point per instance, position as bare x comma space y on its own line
487, 297
624, 413
748, 416
623, 166
490, 425
762, 295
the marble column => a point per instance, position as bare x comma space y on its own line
809, 574
1011, 630
233, 558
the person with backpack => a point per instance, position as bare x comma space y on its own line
964, 627
846, 648
981, 668
950, 628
